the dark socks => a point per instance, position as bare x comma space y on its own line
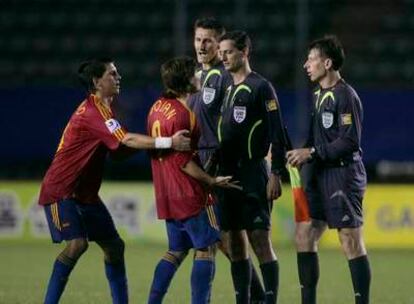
308, 269
241, 274
270, 272
163, 274
116, 275
361, 278
61, 270
201, 278
256, 290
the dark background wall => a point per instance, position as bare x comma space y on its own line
42, 42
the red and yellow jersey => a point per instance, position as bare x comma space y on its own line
77, 168
178, 195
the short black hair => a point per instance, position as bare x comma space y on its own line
176, 76
90, 69
330, 47
210, 23
240, 38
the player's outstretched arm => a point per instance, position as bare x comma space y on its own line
179, 141
192, 169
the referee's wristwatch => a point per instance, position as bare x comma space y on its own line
312, 152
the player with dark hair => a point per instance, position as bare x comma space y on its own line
337, 179
179, 184
213, 80
69, 192
249, 124
206, 105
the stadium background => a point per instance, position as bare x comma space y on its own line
42, 43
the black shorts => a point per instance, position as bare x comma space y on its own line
248, 209
335, 194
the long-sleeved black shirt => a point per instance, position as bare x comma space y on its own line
206, 103
250, 122
336, 123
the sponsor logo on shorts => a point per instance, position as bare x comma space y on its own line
257, 220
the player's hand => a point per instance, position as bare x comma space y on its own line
274, 187
298, 157
181, 141
226, 182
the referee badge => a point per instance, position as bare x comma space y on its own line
208, 95
327, 119
346, 119
239, 113
271, 105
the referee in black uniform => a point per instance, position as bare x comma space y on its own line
249, 123
336, 181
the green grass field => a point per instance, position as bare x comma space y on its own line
25, 268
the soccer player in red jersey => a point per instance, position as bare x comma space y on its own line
180, 187
69, 192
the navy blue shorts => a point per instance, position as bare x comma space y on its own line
199, 232
248, 209
69, 219
335, 194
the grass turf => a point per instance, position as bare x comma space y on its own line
25, 268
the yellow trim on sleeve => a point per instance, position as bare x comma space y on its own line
209, 74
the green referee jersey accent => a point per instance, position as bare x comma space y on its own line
249, 141
294, 176
209, 74
325, 96
239, 88
219, 128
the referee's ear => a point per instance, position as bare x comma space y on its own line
246, 52
328, 64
